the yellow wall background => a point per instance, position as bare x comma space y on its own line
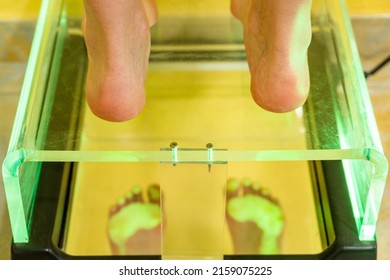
28, 9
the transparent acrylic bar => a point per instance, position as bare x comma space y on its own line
193, 207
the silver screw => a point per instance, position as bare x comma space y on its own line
174, 146
209, 147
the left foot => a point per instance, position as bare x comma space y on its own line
117, 38
134, 226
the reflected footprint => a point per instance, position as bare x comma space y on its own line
134, 226
254, 219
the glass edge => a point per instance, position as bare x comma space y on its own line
374, 154
29, 74
355, 66
14, 157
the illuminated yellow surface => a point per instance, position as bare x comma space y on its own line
100, 185
207, 7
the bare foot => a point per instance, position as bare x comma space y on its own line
277, 34
118, 43
135, 224
254, 218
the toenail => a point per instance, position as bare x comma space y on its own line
247, 182
137, 190
129, 195
256, 186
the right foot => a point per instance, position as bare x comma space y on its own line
117, 37
254, 218
277, 34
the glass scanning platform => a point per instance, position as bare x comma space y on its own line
202, 172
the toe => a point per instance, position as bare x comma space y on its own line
137, 194
247, 186
154, 194
232, 188
121, 202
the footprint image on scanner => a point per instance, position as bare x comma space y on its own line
254, 219
134, 226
